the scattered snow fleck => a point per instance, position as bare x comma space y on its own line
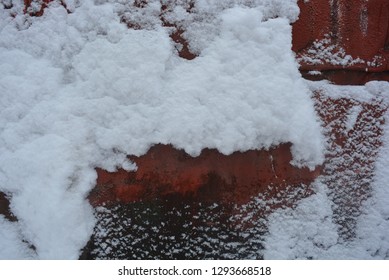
377, 61
325, 51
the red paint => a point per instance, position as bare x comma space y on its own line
359, 27
211, 176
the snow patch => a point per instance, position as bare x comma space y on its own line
11, 245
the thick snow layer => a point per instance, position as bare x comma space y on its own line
81, 90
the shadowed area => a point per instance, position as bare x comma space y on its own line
4, 208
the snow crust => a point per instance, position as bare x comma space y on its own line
81, 90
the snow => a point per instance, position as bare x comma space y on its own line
11, 244
81, 91
314, 73
234, 231
313, 229
373, 226
325, 51
303, 232
352, 117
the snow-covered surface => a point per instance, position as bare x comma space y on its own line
346, 217
81, 90
207, 230
315, 228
